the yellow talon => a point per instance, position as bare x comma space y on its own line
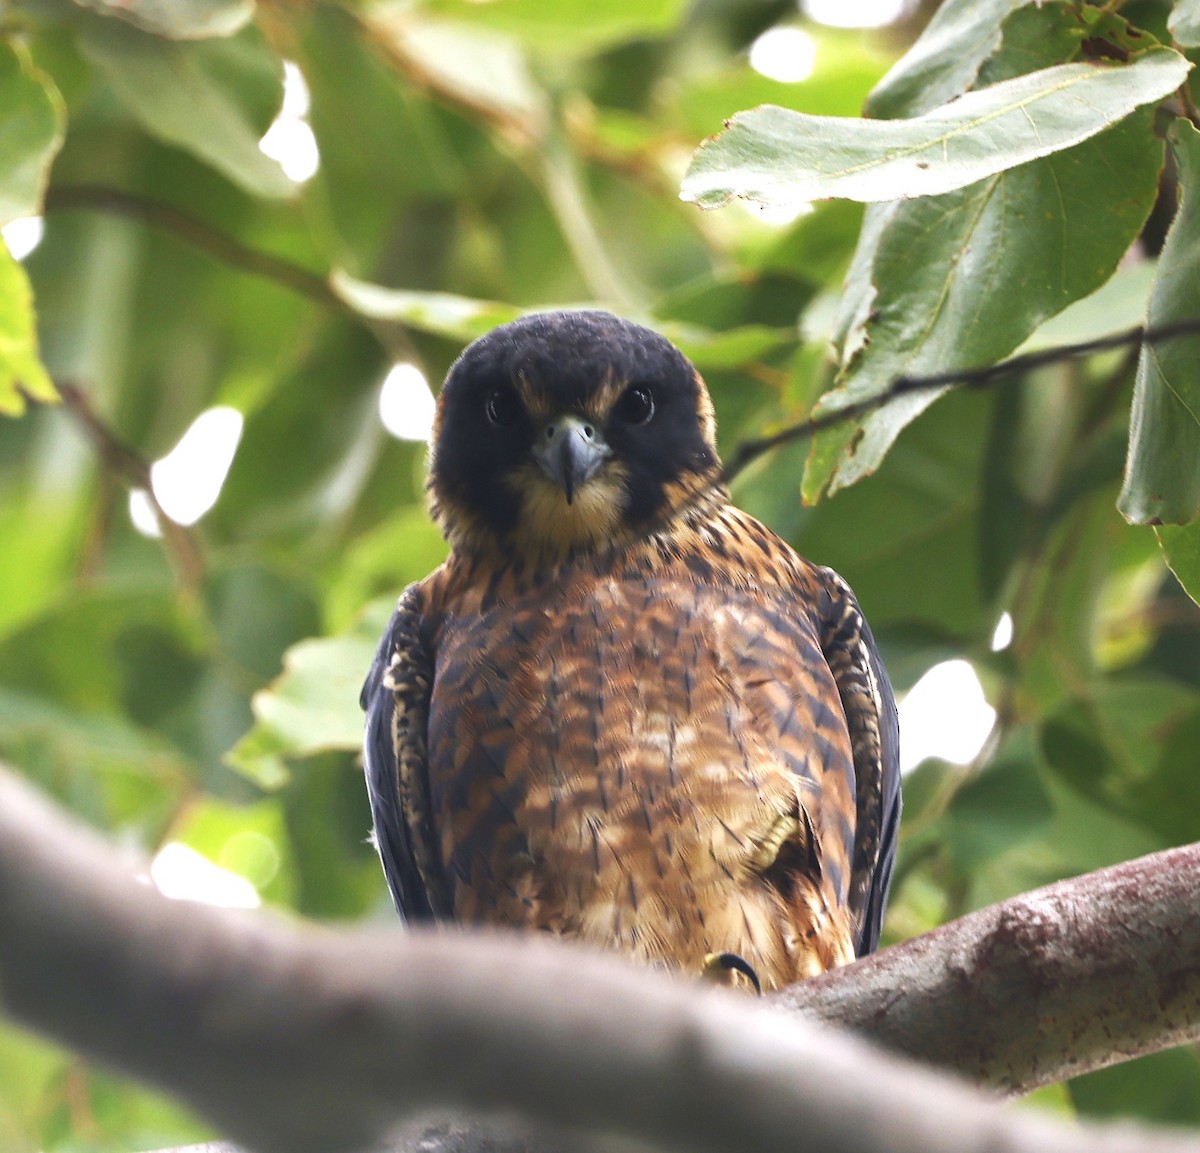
720, 967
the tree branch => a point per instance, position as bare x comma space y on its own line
297, 1039
1066, 979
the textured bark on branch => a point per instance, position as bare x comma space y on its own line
1048, 985
298, 1039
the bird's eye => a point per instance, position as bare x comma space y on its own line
636, 405
503, 407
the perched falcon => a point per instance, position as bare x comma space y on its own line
623, 711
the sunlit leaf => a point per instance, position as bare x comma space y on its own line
31, 132
482, 67
571, 25
192, 20
1162, 480
248, 840
728, 349
442, 313
22, 375
1184, 22
29, 1069
181, 92
311, 707
779, 157
846, 66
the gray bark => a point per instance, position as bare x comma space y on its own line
292, 1038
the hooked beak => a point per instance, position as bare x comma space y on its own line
569, 450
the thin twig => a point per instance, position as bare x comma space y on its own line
199, 234
221, 246
971, 378
124, 462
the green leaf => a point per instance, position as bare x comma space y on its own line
1181, 547
1162, 480
1185, 23
960, 280
1161, 1087
1118, 305
315, 702
734, 347
194, 95
312, 706
29, 1070
404, 548
249, 840
920, 514
1004, 806
945, 60
1055, 621
442, 313
479, 66
191, 20
846, 67
1129, 744
567, 25
104, 767
31, 132
781, 158
22, 375
1082, 836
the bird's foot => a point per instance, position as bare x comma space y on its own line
721, 967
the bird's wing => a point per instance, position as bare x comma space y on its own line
870, 709
395, 698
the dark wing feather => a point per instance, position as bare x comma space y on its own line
870, 709
395, 698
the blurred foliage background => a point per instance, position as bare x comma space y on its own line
199, 546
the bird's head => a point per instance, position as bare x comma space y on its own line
565, 431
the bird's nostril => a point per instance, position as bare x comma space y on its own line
588, 431
550, 431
